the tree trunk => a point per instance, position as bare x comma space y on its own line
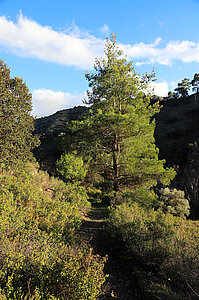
116, 154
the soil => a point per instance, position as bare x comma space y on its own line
121, 282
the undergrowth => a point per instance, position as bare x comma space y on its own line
41, 256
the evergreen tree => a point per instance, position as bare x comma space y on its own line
183, 88
118, 135
195, 83
16, 123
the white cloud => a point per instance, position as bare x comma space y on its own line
47, 102
74, 47
185, 51
160, 88
105, 30
27, 38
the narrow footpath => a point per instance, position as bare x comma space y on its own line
120, 283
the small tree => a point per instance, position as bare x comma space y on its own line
71, 168
183, 88
195, 83
174, 202
16, 123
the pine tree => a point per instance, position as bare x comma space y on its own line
195, 83
16, 123
183, 88
118, 135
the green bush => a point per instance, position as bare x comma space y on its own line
40, 254
144, 234
71, 168
161, 243
24, 206
35, 263
174, 202
144, 198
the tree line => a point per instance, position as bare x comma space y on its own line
184, 87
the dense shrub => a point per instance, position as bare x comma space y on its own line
24, 205
40, 254
174, 202
71, 168
143, 197
33, 262
162, 243
145, 234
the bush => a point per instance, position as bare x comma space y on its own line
174, 202
143, 197
35, 263
24, 205
71, 168
164, 244
40, 254
144, 234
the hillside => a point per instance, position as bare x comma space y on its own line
177, 125
48, 129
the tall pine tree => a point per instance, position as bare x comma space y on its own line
118, 135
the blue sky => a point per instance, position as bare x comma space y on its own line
51, 44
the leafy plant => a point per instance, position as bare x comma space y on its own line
117, 136
174, 202
71, 168
163, 244
41, 256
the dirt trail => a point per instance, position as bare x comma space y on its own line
120, 283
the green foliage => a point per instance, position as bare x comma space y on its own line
183, 88
195, 83
118, 136
40, 254
71, 168
33, 262
144, 198
16, 123
26, 206
164, 244
144, 232
174, 202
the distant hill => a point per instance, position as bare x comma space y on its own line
48, 129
